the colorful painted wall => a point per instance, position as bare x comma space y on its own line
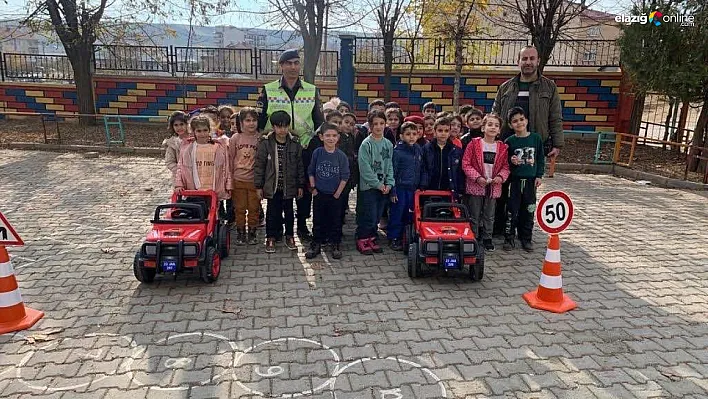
135, 96
589, 101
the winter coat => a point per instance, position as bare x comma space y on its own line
186, 174
266, 167
473, 166
172, 146
452, 163
407, 163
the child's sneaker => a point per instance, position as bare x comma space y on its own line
509, 244
489, 245
315, 249
363, 246
375, 246
240, 236
527, 246
396, 245
270, 245
290, 243
336, 252
252, 238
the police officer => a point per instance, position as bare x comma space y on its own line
301, 101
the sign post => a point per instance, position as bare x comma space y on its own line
553, 214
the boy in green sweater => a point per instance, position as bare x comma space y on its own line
375, 183
527, 164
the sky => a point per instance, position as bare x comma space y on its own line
17, 9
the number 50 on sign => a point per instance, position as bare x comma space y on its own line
554, 212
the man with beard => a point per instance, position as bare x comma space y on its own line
539, 98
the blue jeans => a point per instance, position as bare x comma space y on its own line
400, 215
370, 206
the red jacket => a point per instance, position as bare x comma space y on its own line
473, 166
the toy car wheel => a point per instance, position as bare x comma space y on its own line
224, 240
143, 274
413, 260
477, 269
211, 267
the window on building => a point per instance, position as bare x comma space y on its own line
590, 56
594, 31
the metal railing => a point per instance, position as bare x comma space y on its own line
131, 58
433, 52
32, 67
226, 61
327, 67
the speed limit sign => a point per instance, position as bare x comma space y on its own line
554, 212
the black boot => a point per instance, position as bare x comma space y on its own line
314, 250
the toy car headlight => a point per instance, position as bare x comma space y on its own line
431, 247
190, 250
468, 247
150, 250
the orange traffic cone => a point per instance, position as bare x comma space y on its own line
549, 294
14, 316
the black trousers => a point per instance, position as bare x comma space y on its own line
521, 208
304, 204
327, 223
500, 214
279, 211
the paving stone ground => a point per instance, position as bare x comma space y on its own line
277, 325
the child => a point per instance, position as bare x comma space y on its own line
375, 183
429, 132
177, 127
527, 163
242, 154
407, 160
486, 166
347, 140
225, 114
474, 126
279, 177
393, 122
328, 174
420, 126
235, 123
456, 130
441, 161
203, 164
429, 109
344, 107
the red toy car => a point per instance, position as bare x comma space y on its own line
191, 234
441, 235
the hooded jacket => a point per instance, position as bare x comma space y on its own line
473, 166
407, 163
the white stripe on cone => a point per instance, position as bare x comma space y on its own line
6, 269
551, 282
553, 255
11, 298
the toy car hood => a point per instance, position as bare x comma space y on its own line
446, 230
175, 233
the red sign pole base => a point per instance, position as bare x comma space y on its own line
30, 318
564, 305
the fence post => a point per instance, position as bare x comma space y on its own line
255, 64
2, 66
172, 60
345, 78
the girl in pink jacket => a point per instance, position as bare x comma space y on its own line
204, 163
486, 167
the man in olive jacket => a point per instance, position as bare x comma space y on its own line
539, 98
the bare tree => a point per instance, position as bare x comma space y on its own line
388, 16
545, 21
